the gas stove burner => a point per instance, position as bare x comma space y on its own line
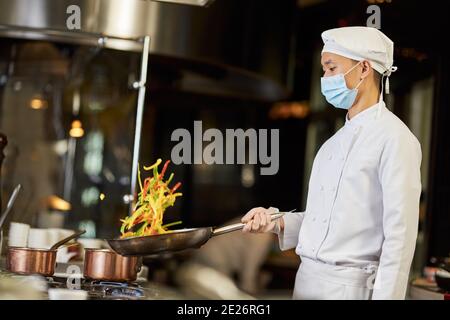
104, 290
54, 283
114, 290
115, 283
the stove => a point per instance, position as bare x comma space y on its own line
141, 289
104, 290
114, 291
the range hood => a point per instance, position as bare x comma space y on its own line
215, 38
200, 3
110, 23
253, 35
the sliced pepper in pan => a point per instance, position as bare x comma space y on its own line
154, 198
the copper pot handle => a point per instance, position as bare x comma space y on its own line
67, 239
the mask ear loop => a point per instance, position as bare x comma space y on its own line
351, 70
359, 83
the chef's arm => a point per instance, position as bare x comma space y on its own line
288, 228
401, 187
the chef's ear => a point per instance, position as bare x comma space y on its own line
366, 69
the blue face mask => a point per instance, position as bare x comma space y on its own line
336, 92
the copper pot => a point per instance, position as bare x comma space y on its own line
31, 261
106, 265
34, 260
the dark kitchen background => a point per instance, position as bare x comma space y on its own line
68, 109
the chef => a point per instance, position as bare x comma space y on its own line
357, 236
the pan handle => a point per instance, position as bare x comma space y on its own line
239, 226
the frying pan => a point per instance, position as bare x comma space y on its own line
176, 240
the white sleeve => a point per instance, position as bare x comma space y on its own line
401, 186
288, 239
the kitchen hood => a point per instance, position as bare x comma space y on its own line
189, 2
229, 32
110, 23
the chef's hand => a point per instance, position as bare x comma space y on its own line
260, 220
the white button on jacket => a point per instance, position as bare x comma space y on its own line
365, 187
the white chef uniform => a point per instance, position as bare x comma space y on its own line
361, 217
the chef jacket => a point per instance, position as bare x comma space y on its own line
363, 201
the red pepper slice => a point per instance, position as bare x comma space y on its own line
164, 169
175, 187
145, 189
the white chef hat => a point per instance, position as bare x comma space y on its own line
362, 43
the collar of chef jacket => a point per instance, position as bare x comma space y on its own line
352, 128
364, 116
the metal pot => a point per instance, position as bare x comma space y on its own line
106, 265
23, 260
31, 261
